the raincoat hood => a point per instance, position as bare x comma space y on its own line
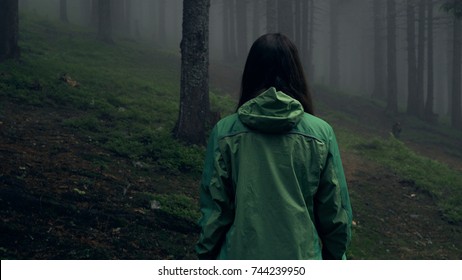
271, 112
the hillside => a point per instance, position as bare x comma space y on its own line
88, 169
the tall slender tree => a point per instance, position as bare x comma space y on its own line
285, 18
105, 21
194, 92
392, 97
271, 16
429, 103
161, 24
241, 19
256, 10
379, 61
310, 63
420, 59
334, 67
455, 7
63, 11
9, 29
412, 108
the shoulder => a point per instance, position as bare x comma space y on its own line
229, 126
315, 127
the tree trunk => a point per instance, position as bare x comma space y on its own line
304, 33
285, 16
392, 98
85, 11
334, 55
310, 69
9, 23
379, 61
226, 40
232, 30
194, 92
63, 11
241, 18
412, 108
271, 16
298, 23
256, 19
94, 19
161, 26
429, 115
104, 21
128, 17
420, 60
456, 116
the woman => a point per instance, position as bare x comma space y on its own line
273, 185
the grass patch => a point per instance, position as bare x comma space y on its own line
440, 181
127, 99
178, 205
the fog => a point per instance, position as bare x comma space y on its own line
316, 26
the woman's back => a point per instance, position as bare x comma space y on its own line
273, 185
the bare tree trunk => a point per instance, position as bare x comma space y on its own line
285, 16
310, 69
104, 21
63, 11
304, 33
194, 93
429, 115
226, 38
456, 115
334, 55
232, 30
161, 26
392, 99
411, 60
241, 18
271, 16
420, 60
379, 61
85, 10
9, 23
256, 19
128, 17
298, 23
94, 13
449, 65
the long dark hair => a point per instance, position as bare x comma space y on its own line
273, 61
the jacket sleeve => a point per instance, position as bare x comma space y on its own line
216, 202
332, 205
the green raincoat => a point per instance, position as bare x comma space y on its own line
273, 185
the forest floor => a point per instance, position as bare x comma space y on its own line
56, 203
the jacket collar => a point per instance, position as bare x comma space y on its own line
271, 112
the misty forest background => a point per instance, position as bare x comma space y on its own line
106, 105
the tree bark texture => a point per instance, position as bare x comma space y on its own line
194, 91
429, 115
412, 108
420, 59
334, 70
285, 18
9, 29
104, 21
379, 61
256, 18
456, 115
241, 19
63, 11
271, 16
162, 31
392, 98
